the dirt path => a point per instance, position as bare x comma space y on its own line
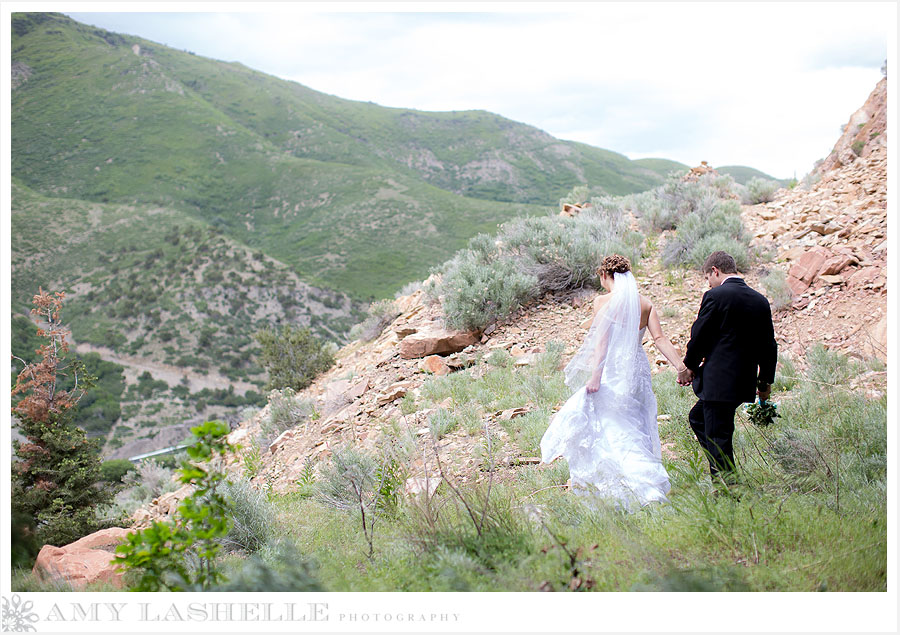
172, 375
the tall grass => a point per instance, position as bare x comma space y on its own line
809, 513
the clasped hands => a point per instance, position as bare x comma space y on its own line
685, 376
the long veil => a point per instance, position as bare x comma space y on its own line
610, 340
609, 437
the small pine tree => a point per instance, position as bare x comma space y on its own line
292, 357
57, 482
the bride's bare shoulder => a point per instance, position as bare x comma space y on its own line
601, 299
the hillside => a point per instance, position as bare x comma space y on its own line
742, 174
305, 177
418, 452
835, 264
168, 297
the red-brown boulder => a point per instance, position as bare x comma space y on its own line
85, 561
436, 342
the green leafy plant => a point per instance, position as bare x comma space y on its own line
181, 556
307, 481
252, 461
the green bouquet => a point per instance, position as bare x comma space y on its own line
762, 413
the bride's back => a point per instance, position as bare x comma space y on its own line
646, 308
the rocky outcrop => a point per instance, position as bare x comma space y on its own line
695, 173
85, 561
436, 341
830, 238
862, 134
162, 508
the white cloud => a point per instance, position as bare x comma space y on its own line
759, 84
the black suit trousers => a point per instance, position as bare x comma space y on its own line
713, 423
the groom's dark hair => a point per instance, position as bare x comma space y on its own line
721, 261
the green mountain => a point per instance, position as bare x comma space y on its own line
350, 195
742, 174
662, 166
169, 297
182, 203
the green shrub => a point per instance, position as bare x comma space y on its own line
529, 257
857, 146
253, 520
714, 224
442, 423
381, 314
285, 412
777, 289
475, 294
760, 191
349, 480
292, 357
828, 367
725, 578
719, 242
478, 521
785, 374
280, 567
115, 470
355, 480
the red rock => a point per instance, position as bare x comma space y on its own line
106, 539
796, 285
809, 264
512, 413
405, 330
837, 264
357, 390
281, 439
395, 391
862, 276
85, 561
436, 342
435, 365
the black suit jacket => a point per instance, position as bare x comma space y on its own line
734, 337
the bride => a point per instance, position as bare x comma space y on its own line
607, 429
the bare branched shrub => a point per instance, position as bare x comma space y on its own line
356, 480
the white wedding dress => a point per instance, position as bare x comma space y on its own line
610, 437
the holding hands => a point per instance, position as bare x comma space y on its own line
685, 376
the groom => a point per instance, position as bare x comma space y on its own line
730, 359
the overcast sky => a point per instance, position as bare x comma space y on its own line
761, 84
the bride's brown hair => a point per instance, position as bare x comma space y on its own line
614, 264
